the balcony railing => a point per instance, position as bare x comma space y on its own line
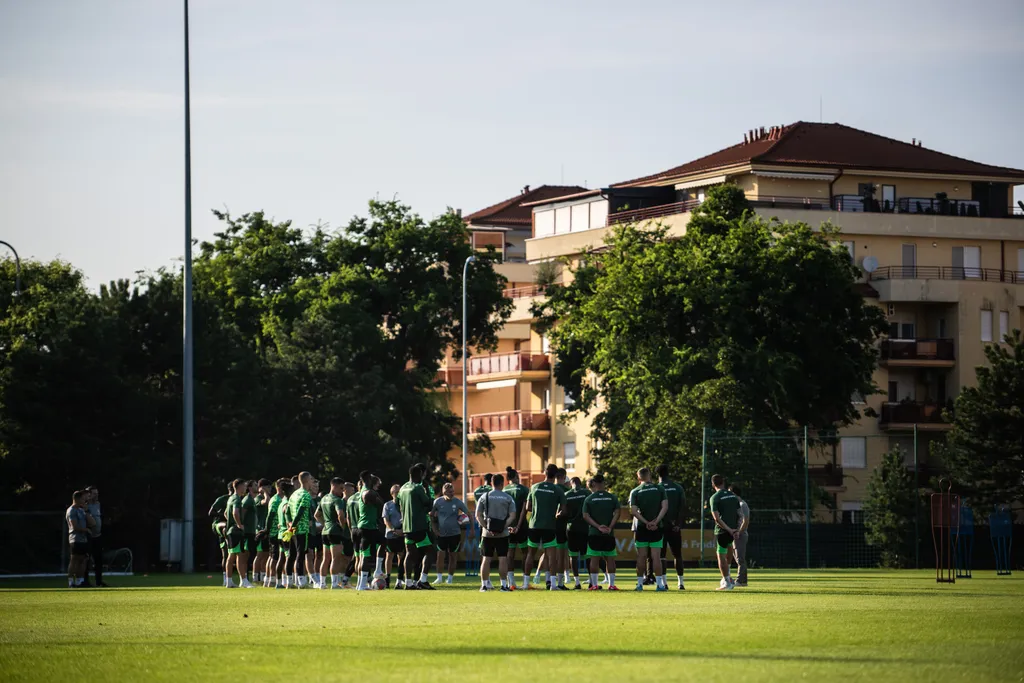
501, 363
910, 412
947, 273
510, 421
939, 207
523, 292
653, 212
451, 377
826, 476
917, 349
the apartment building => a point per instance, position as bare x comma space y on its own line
510, 389
938, 240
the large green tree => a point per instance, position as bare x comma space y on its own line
891, 509
741, 324
984, 452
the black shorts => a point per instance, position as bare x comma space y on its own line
369, 539
274, 543
652, 539
419, 539
541, 538
249, 543
602, 544
724, 539
300, 544
432, 538
347, 547
561, 532
80, 548
316, 541
519, 538
262, 542
491, 546
395, 545
357, 539
332, 539
577, 542
449, 544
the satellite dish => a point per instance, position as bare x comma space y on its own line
870, 264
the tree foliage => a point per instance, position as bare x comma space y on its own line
742, 324
984, 451
314, 350
889, 510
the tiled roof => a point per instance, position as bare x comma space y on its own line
837, 146
513, 212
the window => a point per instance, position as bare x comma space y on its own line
850, 248
857, 398
852, 513
888, 197
854, 452
545, 345
986, 326
567, 400
910, 260
967, 263
545, 403
569, 455
894, 392
907, 331
1004, 324
941, 328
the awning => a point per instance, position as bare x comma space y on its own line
716, 180
794, 176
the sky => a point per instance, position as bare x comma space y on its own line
307, 109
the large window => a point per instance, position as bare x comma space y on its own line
1004, 324
852, 512
986, 326
854, 452
569, 455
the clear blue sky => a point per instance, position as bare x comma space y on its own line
307, 109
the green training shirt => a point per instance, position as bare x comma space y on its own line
234, 503
675, 497
648, 498
574, 508
369, 512
299, 506
481, 490
284, 516
519, 494
352, 510
727, 505
603, 508
415, 504
329, 506
545, 499
273, 523
314, 504
249, 515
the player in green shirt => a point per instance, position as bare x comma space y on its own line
576, 532
217, 525
648, 504
672, 523
369, 506
272, 538
601, 512
517, 537
264, 490
348, 535
234, 532
484, 488
300, 505
331, 514
249, 522
725, 508
415, 504
543, 504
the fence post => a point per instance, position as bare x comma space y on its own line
917, 506
703, 474
807, 500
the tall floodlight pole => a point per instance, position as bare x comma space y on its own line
17, 268
187, 559
465, 387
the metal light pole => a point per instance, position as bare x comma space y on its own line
465, 387
17, 268
187, 558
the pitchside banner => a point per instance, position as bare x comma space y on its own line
691, 544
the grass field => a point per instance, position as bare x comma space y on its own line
820, 626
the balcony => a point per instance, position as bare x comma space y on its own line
527, 479
948, 273
511, 425
523, 292
828, 477
904, 416
523, 366
450, 378
917, 353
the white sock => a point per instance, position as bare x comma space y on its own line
526, 580
511, 578
302, 581
593, 579
561, 580
504, 583
226, 578
661, 581
379, 571
71, 582
364, 579
449, 578
547, 578
565, 575
335, 580
640, 582
611, 579
440, 577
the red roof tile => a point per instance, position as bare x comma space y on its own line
836, 146
513, 212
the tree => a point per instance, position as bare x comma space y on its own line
742, 324
889, 510
984, 451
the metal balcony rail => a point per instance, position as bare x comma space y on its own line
917, 349
500, 363
510, 421
912, 412
947, 273
523, 292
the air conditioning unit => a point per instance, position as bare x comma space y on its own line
892, 309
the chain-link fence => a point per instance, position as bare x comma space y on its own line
34, 543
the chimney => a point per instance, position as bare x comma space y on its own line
751, 134
920, 143
913, 141
744, 138
458, 212
526, 188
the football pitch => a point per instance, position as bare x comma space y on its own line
820, 626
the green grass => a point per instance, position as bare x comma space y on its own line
820, 626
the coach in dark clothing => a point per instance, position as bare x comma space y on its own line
95, 520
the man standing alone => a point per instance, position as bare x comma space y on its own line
725, 508
78, 539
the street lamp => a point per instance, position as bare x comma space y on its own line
465, 387
188, 438
17, 268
